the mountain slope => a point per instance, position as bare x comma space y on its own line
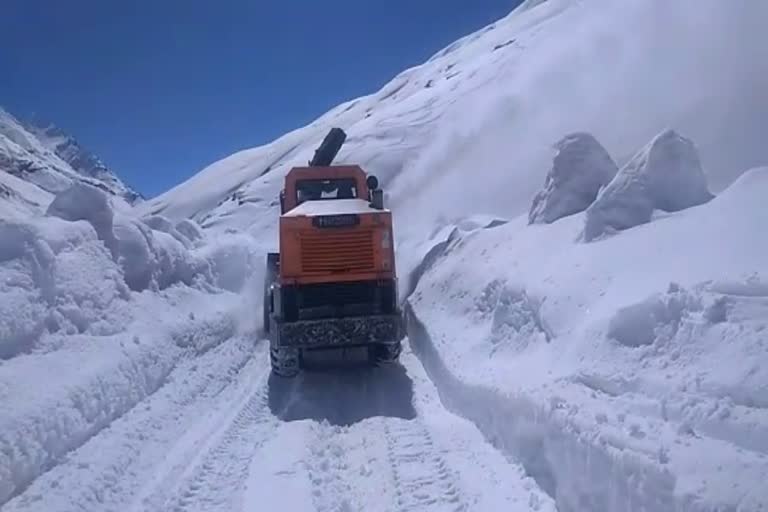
51, 161
80, 159
473, 126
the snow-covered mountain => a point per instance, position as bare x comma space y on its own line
80, 159
579, 194
51, 160
473, 127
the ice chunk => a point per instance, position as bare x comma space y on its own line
580, 168
665, 175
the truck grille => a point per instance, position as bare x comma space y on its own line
337, 252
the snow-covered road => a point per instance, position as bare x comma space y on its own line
223, 434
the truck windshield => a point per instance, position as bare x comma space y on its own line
316, 190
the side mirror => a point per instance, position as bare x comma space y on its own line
282, 201
377, 199
372, 182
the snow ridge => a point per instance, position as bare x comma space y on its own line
52, 161
80, 159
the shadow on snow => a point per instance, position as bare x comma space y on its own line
343, 395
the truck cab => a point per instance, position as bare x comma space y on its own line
333, 283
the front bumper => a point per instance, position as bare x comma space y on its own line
340, 332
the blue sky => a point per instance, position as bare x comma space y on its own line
161, 89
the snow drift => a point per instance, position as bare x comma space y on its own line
96, 310
625, 376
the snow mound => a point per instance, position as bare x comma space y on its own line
665, 175
152, 254
655, 318
515, 317
163, 224
618, 381
579, 170
234, 259
55, 276
135, 254
84, 202
175, 264
190, 229
154, 259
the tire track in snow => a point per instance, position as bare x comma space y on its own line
213, 477
338, 461
326, 468
386, 464
218, 483
108, 471
422, 478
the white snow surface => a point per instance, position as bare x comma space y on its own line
51, 164
541, 371
336, 207
471, 130
81, 160
580, 168
630, 373
665, 175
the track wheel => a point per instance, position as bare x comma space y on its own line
386, 353
285, 361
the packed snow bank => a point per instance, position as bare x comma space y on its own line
56, 276
54, 402
625, 373
579, 170
71, 271
86, 333
84, 202
97, 307
20, 199
190, 229
165, 225
665, 175
415, 255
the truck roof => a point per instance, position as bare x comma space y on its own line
332, 207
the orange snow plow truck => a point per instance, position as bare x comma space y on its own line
333, 285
